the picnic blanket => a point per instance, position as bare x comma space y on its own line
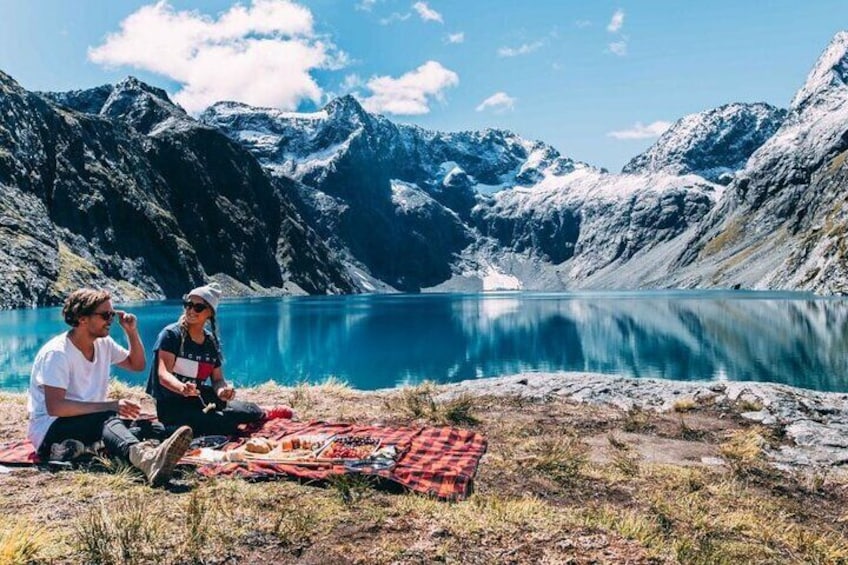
437, 461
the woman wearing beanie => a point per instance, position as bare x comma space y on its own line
186, 379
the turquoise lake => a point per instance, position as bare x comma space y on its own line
379, 341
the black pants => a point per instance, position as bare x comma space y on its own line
89, 428
223, 420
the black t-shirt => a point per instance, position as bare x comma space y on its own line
195, 361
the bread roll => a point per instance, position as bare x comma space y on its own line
259, 445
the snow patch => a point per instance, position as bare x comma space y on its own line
366, 284
407, 197
494, 280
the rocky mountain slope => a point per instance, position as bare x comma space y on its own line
118, 187
783, 220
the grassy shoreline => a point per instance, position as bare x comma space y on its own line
561, 482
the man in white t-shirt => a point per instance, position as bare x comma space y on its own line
67, 398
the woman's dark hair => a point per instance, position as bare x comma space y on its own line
83, 302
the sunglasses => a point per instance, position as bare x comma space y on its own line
107, 316
196, 306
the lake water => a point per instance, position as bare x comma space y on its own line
378, 341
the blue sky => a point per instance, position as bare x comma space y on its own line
597, 80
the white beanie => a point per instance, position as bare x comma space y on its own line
211, 293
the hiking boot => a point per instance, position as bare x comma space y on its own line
66, 450
158, 462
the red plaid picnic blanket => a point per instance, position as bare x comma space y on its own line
18, 453
438, 461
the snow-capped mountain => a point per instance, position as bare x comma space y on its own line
420, 209
131, 101
713, 144
118, 186
587, 220
395, 200
783, 219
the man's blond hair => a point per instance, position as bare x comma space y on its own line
83, 302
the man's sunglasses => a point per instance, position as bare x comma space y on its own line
107, 316
196, 306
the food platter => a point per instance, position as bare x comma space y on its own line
298, 448
302, 449
345, 448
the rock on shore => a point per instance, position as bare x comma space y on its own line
815, 423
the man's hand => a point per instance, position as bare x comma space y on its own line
128, 321
128, 409
226, 393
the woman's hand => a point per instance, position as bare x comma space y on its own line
226, 393
189, 389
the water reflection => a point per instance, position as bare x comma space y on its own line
382, 341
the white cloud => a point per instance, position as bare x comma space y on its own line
618, 48
411, 93
261, 55
351, 82
455, 38
523, 50
499, 102
582, 23
365, 5
427, 14
640, 131
616, 22
395, 17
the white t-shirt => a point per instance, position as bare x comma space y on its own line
60, 364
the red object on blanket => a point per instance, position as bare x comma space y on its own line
278, 412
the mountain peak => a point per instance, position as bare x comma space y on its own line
713, 144
6, 79
346, 105
141, 105
132, 84
830, 71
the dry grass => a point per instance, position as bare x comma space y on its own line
837, 162
560, 459
636, 419
119, 389
743, 450
684, 405
543, 494
420, 403
21, 542
724, 239
748, 405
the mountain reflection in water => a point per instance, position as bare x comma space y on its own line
379, 341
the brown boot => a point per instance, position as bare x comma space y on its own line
158, 462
